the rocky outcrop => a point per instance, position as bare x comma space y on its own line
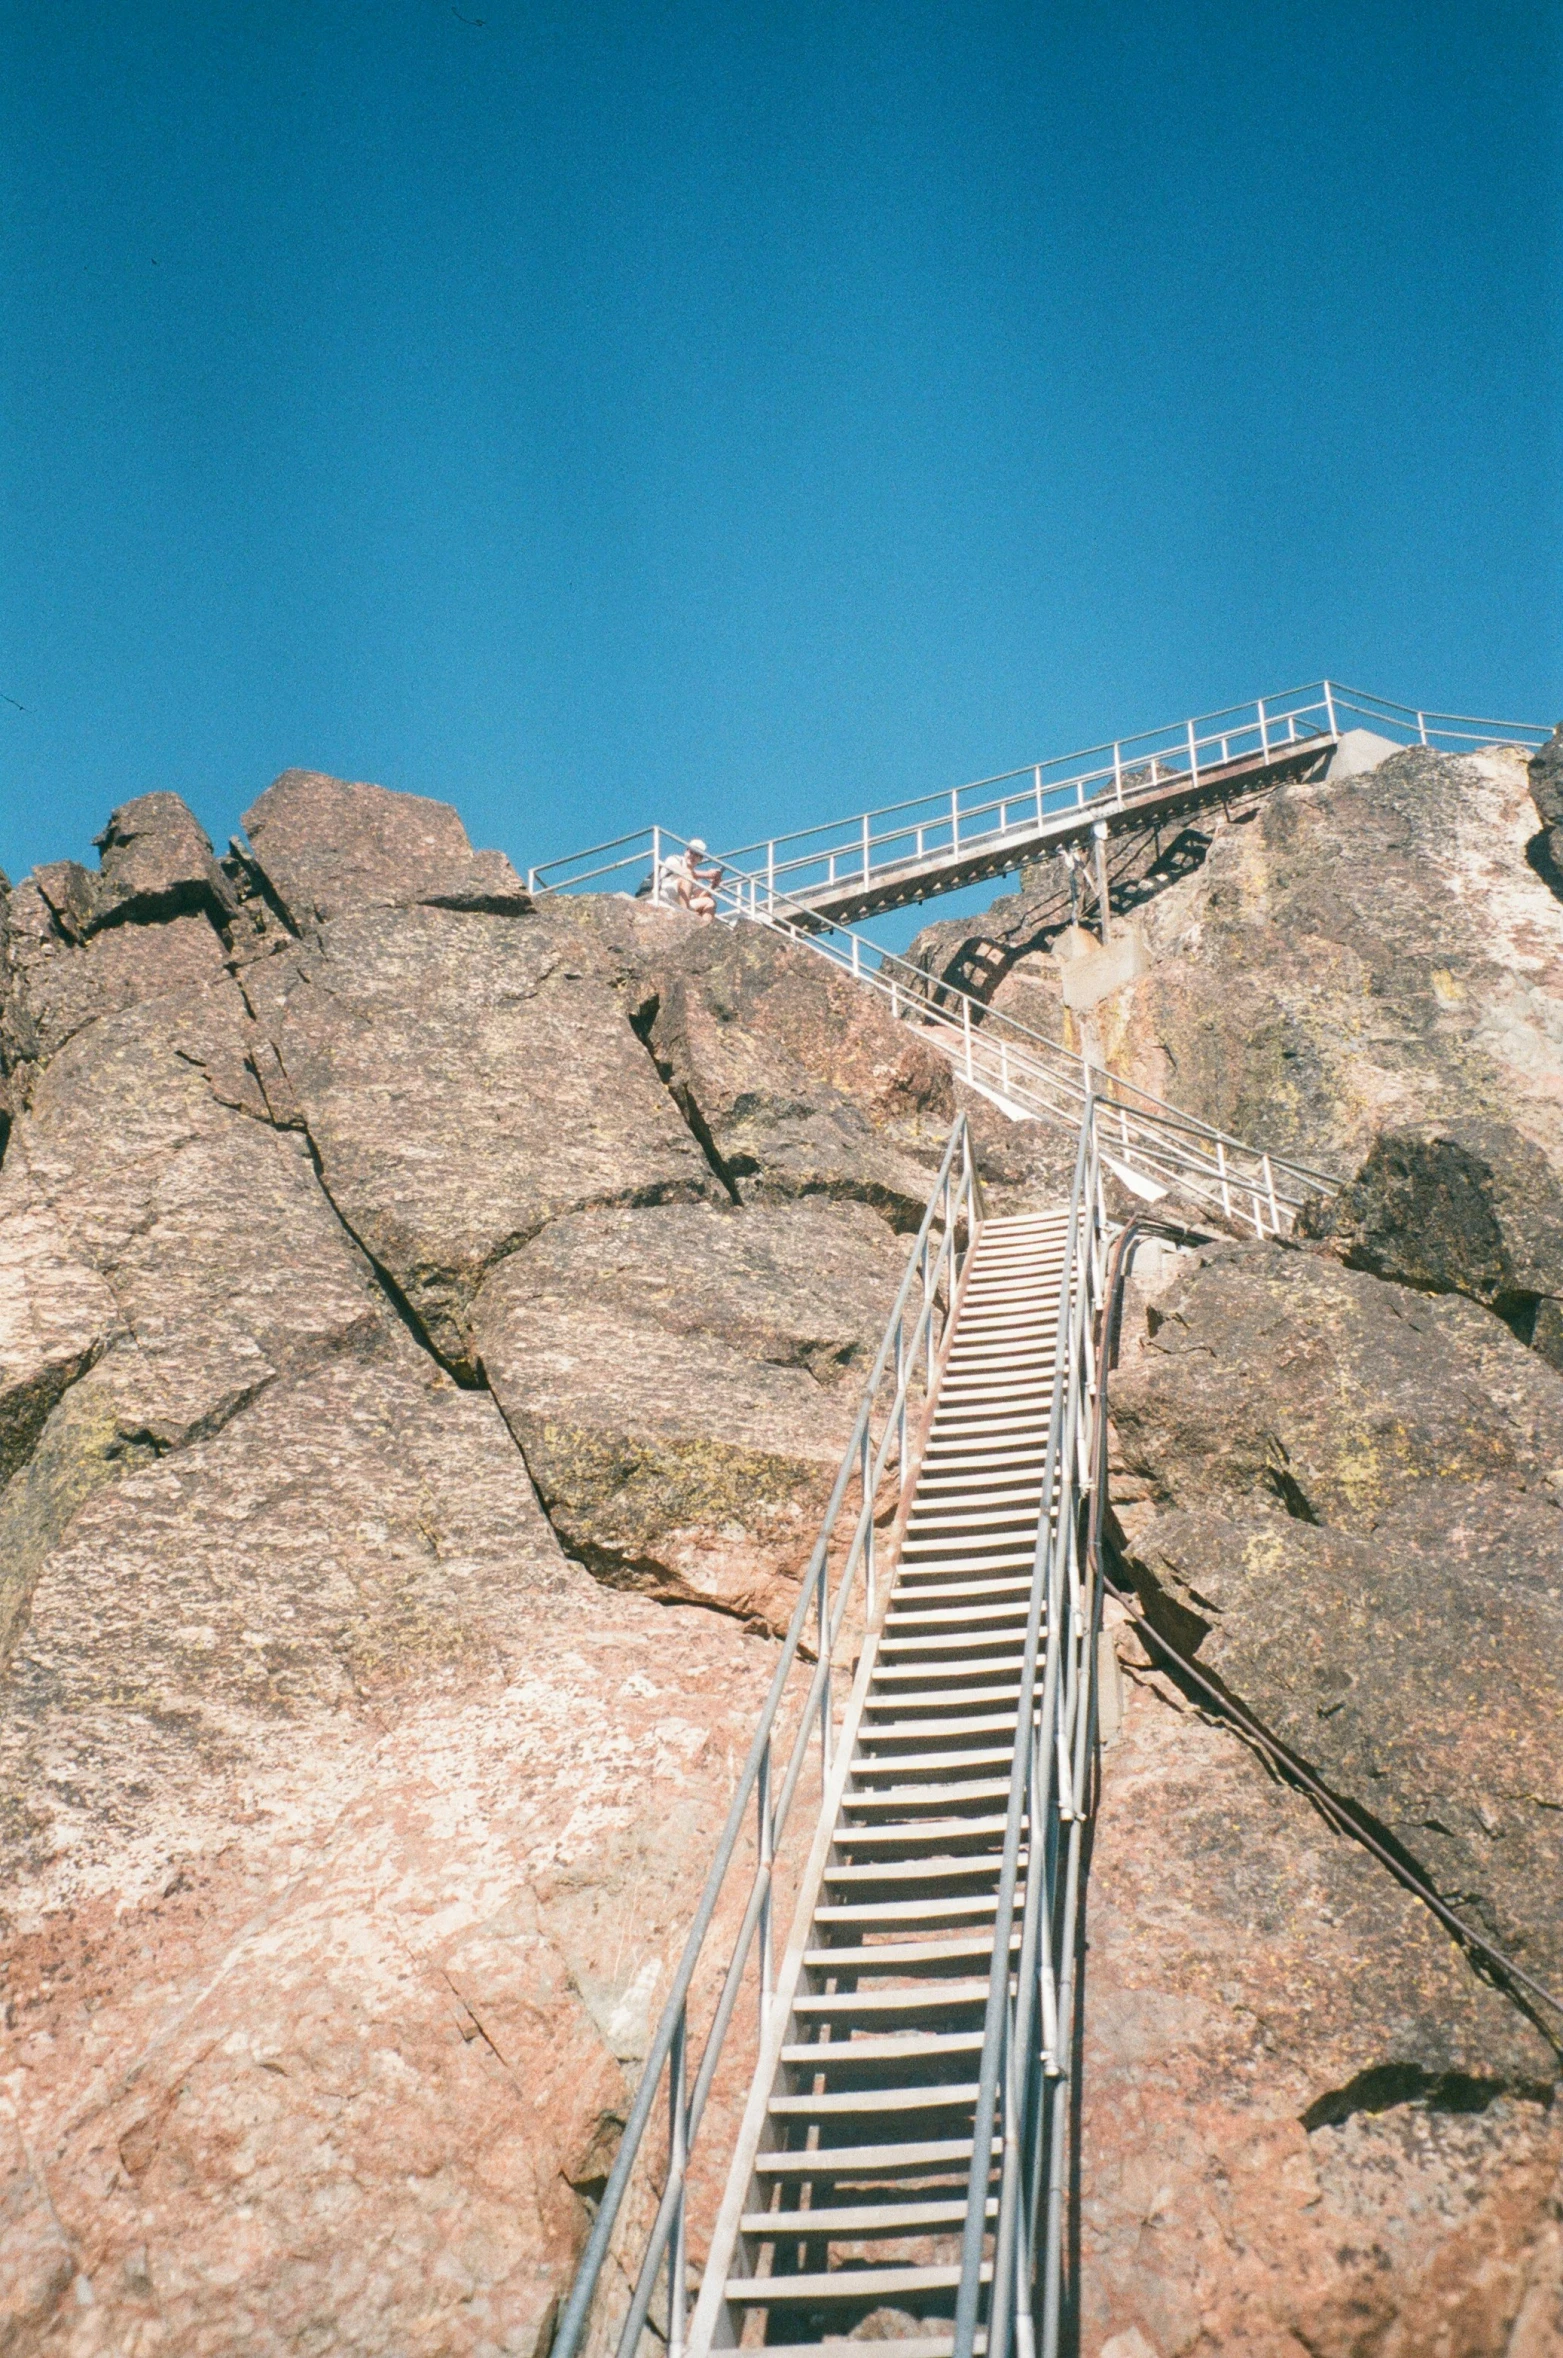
608, 1341
1458, 1207
1546, 791
1308, 2125
1358, 1529
792, 1073
1357, 957
463, 1081
351, 1822
325, 847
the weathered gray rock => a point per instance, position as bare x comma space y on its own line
224, 1260
683, 1384
60, 986
1459, 1207
464, 1080
327, 846
1546, 792
1365, 1543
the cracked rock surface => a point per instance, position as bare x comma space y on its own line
608, 1339
1360, 1532
419, 1308
350, 1824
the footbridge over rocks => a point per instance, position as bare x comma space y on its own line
867, 2126
1118, 801
844, 871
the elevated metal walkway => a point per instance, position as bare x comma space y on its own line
904, 2143
847, 870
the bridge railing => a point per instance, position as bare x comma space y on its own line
716, 1974
1150, 1147
1014, 807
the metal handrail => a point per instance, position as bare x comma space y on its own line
908, 1353
1155, 1143
1029, 2026
1181, 750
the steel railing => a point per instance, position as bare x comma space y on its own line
1149, 1146
1014, 809
1030, 2025
878, 1458
1156, 1149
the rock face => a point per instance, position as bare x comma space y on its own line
350, 1821
1308, 2126
414, 1300
324, 847
1401, 962
1459, 1207
609, 1338
1361, 1533
1546, 790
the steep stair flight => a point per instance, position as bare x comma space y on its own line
901, 2157
854, 2195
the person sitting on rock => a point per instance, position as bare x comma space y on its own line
696, 886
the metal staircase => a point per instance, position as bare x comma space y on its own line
873, 2137
901, 2157
849, 2188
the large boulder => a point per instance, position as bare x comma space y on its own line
1458, 1207
1357, 1501
791, 1070
154, 861
1546, 791
464, 1078
326, 846
683, 1383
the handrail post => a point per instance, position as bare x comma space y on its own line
955, 819
1038, 776
1118, 774
656, 867
867, 848
966, 1031
824, 1656
866, 1484
1193, 756
1264, 742
678, 2156
766, 1845
1421, 726
1329, 706
770, 876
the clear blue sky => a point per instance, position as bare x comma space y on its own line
733, 413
